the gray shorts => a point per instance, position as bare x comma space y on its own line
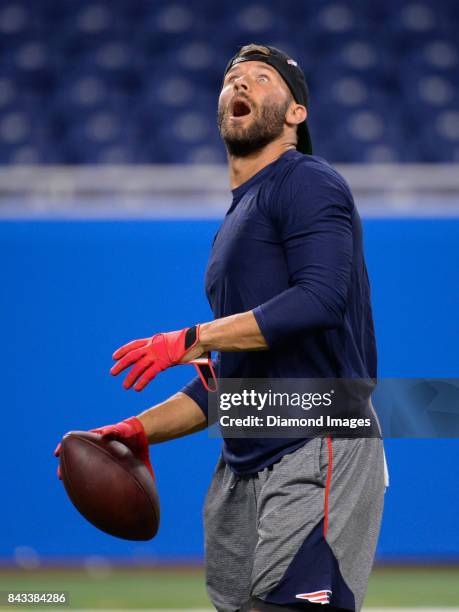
302, 530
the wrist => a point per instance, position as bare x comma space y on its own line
204, 338
142, 420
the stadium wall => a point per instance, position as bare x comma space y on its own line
74, 291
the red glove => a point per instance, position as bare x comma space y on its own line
153, 355
130, 432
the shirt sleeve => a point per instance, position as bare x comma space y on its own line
196, 390
315, 221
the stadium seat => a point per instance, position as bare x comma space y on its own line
90, 82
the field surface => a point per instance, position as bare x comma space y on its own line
184, 589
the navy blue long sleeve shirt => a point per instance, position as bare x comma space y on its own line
290, 249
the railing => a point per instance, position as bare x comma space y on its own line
188, 190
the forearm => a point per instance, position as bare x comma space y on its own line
176, 417
180, 415
238, 332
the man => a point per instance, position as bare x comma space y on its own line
289, 523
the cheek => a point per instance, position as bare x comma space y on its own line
275, 103
264, 100
224, 97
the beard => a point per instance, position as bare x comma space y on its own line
266, 125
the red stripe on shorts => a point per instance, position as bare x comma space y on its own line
327, 484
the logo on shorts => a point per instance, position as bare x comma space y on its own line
320, 597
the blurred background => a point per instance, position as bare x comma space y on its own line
112, 186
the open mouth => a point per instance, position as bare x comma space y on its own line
240, 109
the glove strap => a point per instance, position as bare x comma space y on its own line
202, 364
141, 438
137, 428
206, 373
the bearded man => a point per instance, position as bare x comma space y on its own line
289, 523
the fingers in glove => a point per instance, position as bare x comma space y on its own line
57, 452
110, 434
127, 360
147, 377
137, 370
130, 346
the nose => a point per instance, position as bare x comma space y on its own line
241, 83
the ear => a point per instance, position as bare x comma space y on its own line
296, 114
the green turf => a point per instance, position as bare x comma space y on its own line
426, 587
150, 589
120, 589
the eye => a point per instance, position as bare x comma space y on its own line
263, 77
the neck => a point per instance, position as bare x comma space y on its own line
241, 169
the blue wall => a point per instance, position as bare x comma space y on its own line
74, 291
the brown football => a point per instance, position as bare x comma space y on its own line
109, 486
